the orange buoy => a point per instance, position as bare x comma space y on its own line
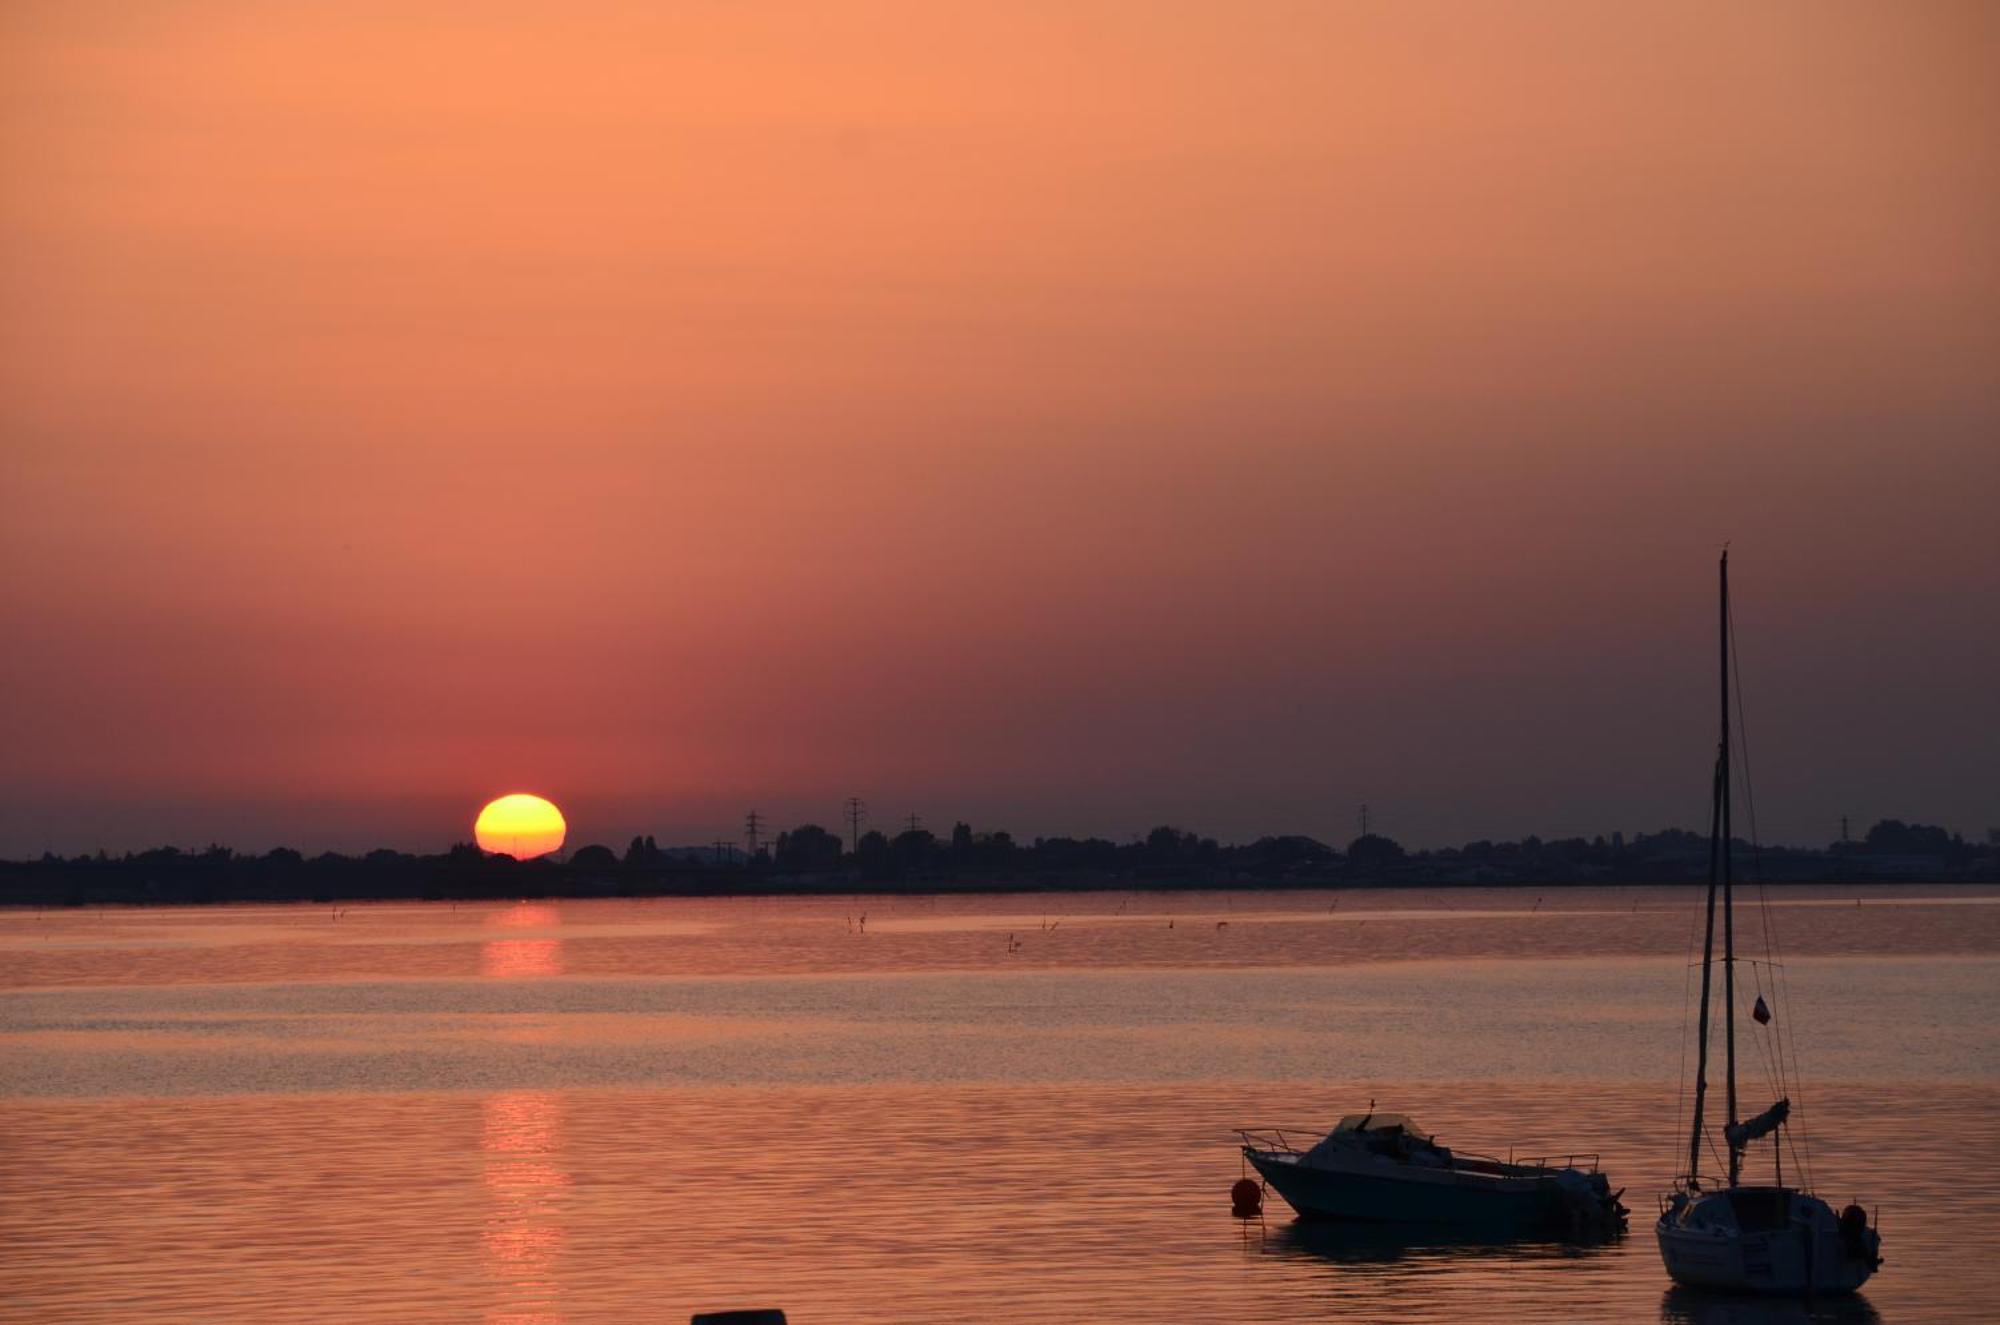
1246, 1199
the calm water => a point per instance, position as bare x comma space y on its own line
626, 1111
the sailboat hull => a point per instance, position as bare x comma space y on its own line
1764, 1240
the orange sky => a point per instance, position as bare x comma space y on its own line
1070, 416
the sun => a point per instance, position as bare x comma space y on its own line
521, 826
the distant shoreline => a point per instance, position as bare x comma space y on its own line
35, 885
809, 861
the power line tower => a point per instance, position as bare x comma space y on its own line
753, 824
1364, 820
916, 821
857, 810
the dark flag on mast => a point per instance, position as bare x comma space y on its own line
1761, 1012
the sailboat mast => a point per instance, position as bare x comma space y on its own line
1728, 899
1718, 872
1707, 965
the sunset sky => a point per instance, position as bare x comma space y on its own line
1069, 417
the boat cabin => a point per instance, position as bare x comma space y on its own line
1382, 1122
1392, 1136
1741, 1210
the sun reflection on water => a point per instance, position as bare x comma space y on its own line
522, 958
522, 1240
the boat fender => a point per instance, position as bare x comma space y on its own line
1246, 1199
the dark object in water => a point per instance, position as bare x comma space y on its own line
753, 1316
1246, 1199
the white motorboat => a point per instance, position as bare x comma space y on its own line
1382, 1168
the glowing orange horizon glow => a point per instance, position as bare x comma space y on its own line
362, 363
520, 825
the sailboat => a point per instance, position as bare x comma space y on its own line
1733, 1234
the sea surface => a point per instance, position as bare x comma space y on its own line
994, 1108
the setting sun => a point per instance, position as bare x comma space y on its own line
521, 826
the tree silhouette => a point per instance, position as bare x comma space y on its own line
808, 849
594, 857
1375, 849
913, 849
872, 854
1893, 837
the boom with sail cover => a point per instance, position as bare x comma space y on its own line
1742, 1134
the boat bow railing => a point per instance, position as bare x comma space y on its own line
1281, 1139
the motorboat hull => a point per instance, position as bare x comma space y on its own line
1439, 1197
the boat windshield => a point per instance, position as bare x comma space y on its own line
1382, 1122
